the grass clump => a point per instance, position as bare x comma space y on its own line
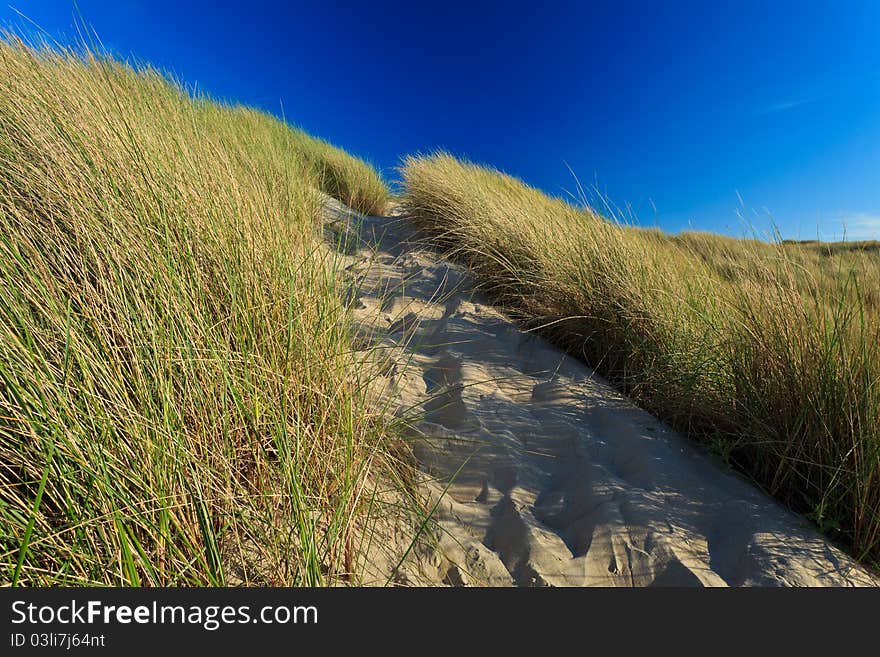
177, 404
342, 176
769, 352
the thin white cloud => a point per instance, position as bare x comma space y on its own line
852, 226
786, 105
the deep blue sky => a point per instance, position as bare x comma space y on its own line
687, 112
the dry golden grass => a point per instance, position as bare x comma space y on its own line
176, 405
770, 353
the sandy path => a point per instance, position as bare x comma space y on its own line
553, 478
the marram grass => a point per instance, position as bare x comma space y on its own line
770, 353
176, 398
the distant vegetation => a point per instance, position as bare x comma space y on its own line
832, 248
177, 399
769, 353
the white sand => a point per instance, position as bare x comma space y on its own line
550, 476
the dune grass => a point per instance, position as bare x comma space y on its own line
177, 403
768, 352
342, 176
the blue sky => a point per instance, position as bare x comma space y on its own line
710, 115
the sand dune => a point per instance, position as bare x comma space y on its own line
544, 474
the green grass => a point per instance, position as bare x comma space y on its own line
768, 352
178, 403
